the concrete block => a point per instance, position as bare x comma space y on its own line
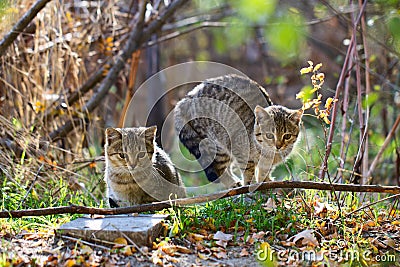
142, 229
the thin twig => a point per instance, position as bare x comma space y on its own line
84, 242
21, 25
343, 146
367, 91
383, 147
32, 185
130, 241
200, 199
131, 85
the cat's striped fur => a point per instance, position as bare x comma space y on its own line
222, 121
137, 170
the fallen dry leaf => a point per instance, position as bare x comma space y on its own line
203, 256
321, 207
307, 238
220, 255
195, 237
120, 242
128, 251
86, 250
244, 253
269, 205
222, 238
70, 263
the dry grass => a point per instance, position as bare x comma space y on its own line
48, 62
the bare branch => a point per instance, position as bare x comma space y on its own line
21, 25
201, 199
384, 146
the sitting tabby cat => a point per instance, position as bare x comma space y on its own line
222, 121
137, 170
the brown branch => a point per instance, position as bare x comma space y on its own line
21, 25
384, 146
201, 199
131, 84
367, 92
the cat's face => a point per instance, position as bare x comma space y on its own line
277, 127
130, 148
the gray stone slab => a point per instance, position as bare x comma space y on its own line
142, 229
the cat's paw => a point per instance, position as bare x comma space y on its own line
112, 203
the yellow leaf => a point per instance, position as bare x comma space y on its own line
306, 70
85, 249
68, 17
329, 102
34, 194
39, 107
109, 39
70, 263
300, 95
121, 241
317, 67
307, 105
127, 251
202, 256
321, 77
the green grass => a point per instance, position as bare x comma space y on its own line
231, 214
18, 193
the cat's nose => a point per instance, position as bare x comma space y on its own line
279, 145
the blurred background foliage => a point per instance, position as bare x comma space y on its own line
268, 40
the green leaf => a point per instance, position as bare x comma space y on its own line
287, 36
394, 26
17, 124
370, 99
256, 11
306, 93
237, 34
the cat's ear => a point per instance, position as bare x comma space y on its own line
150, 133
261, 114
296, 115
112, 134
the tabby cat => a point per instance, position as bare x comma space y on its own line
222, 121
137, 170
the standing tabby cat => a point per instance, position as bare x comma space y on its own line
137, 170
221, 121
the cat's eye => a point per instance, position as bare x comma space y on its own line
269, 136
121, 155
287, 136
141, 155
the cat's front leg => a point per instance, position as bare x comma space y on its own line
264, 168
249, 173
